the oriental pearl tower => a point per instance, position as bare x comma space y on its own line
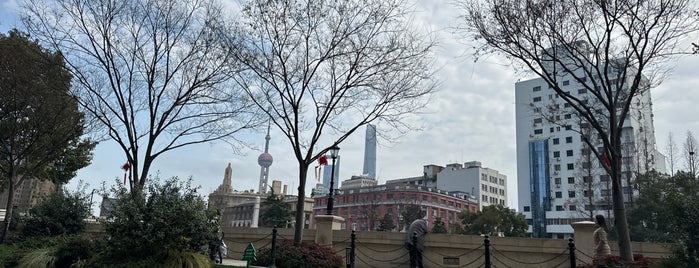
265, 160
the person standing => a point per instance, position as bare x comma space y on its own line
415, 248
600, 238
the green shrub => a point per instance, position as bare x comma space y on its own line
308, 255
73, 250
163, 218
60, 213
9, 255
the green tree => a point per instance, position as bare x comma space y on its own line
161, 220
321, 70
410, 213
62, 212
40, 124
614, 50
386, 223
494, 220
276, 212
439, 227
666, 211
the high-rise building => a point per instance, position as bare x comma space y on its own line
370, 152
28, 194
265, 161
557, 172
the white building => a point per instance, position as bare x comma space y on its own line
487, 185
556, 171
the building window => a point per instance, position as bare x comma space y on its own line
551, 130
571, 194
556, 154
559, 195
559, 208
566, 105
571, 180
484, 198
527, 209
571, 166
572, 208
569, 153
538, 121
569, 127
604, 178
538, 131
568, 116
537, 99
569, 139
536, 88
587, 179
557, 180
566, 82
587, 193
555, 141
556, 167
582, 91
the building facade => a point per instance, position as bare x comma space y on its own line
488, 185
28, 194
369, 169
363, 208
557, 172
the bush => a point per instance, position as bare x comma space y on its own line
612, 261
308, 255
157, 221
60, 213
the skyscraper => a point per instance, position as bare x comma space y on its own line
370, 152
557, 172
265, 161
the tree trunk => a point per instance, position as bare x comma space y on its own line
620, 222
300, 203
8, 210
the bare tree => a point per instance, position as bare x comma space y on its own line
671, 151
152, 73
615, 50
323, 69
690, 154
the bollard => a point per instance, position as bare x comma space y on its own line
273, 253
486, 244
353, 246
571, 248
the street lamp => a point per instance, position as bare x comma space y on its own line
333, 154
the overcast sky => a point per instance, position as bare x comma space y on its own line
471, 117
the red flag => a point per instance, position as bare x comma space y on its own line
322, 160
125, 167
606, 160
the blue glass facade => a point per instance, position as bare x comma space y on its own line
539, 186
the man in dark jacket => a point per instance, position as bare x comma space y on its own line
418, 228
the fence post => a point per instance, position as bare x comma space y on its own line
273, 253
353, 245
486, 244
571, 248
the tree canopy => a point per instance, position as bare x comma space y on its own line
153, 76
275, 212
438, 227
323, 69
494, 220
40, 124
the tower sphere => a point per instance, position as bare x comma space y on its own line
265, 159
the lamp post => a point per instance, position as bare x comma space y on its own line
333, 154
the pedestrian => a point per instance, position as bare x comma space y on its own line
418, 229
600, 238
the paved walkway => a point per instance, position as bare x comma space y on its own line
236, 263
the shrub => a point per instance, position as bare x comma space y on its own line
159, 220
60, 213
308, 255
612, 261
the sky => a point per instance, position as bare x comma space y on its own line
471, 117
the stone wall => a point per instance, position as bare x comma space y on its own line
385, 249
